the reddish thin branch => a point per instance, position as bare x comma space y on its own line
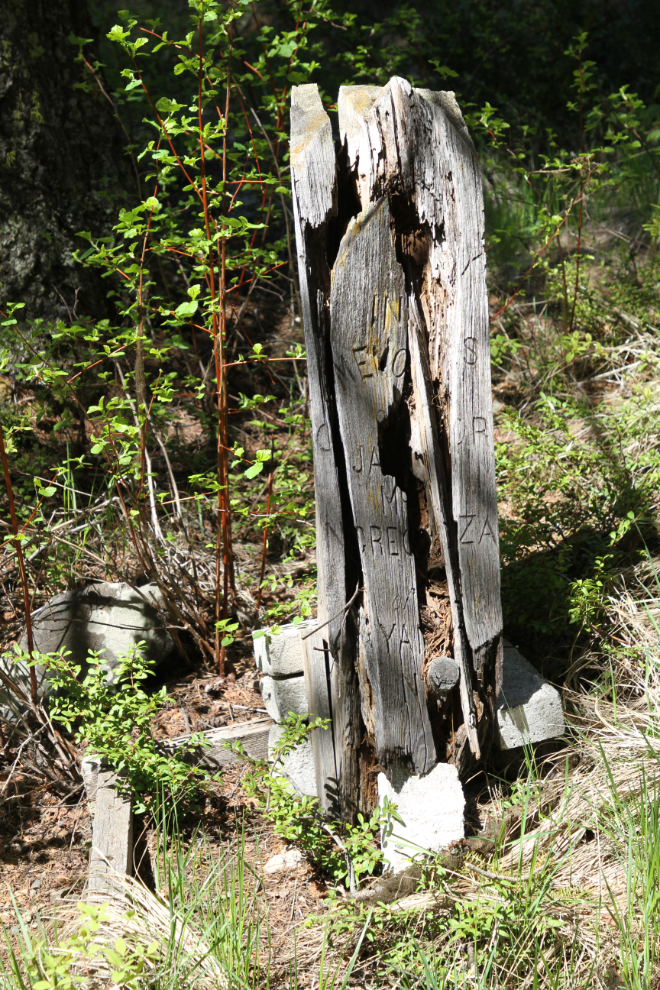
579, 237
265, 544
21, 567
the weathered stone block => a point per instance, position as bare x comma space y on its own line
285, 695
107, 618
528, 709
298, 766
432, 809
281, 655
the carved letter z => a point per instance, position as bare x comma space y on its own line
470, 520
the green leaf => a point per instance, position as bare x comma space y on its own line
186, 309
254, 470
117, 33
168, 106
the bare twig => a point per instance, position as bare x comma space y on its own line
333, 617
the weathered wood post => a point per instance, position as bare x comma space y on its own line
390, 241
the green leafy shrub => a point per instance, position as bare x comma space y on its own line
67, 965
114, 719
341, 850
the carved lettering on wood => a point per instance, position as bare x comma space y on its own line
415, 142
399, 369
369, 318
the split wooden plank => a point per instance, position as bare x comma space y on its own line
253, 736
438, 500
369, 318
330, 679
414, 144
398, 347
112, 829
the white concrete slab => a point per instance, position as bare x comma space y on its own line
432, 808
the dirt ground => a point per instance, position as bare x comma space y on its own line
45, 841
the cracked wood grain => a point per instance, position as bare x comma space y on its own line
331, 681
368, 333
397, 339
413, 146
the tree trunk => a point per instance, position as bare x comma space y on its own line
392, 265
62, 167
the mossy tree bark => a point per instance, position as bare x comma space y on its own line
63, 168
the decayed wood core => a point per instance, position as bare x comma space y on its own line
392, 270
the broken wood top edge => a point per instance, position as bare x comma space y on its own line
359, 101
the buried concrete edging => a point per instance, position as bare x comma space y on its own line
528, 710
112, 827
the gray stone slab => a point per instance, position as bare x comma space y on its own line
112, 833
282, 696
281, 655
298, 766
108, 618
432, 808
529, 709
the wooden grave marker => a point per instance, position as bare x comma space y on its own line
390, 240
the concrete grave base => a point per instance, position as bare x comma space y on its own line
283, 695
528, 709
432, 809
279, 660
281, 655
298, 766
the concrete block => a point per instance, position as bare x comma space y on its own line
284, 695
112, 833
281, 655
432, 809
298, 766
528, 709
